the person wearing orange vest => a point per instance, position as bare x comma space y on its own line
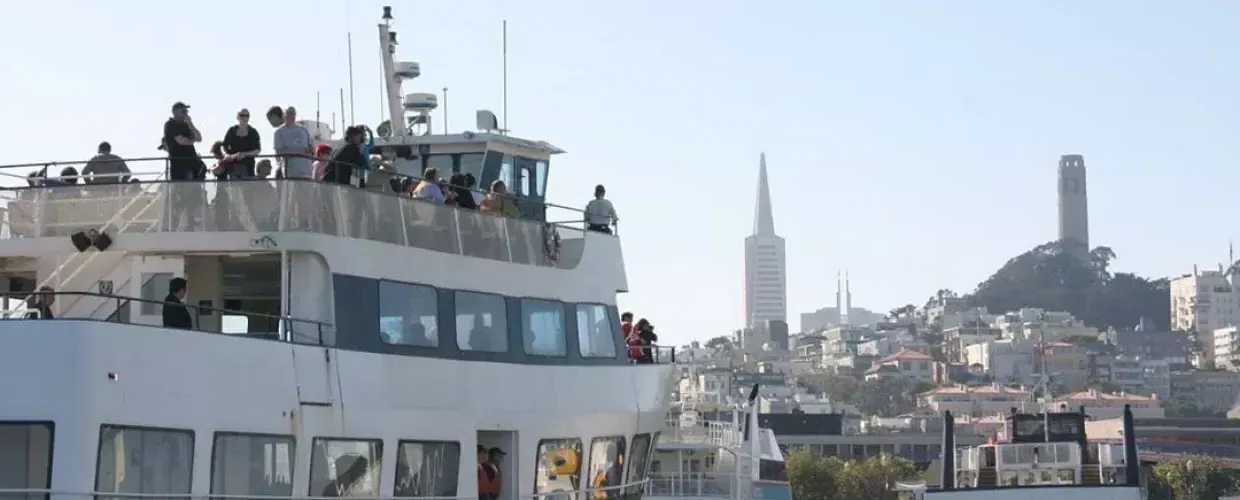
489, 480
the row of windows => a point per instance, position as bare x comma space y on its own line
133, 460
423, 316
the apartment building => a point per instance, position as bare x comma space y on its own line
906, 364
1203, 302
1006, 360
1032, 323
977, 401
1101, 405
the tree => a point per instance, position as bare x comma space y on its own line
838, 388
719, 343
813, 477
1195, 477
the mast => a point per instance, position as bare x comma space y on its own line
387, 40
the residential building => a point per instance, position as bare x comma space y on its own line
957, 338
1143, 343
906, 364
766, 274
976, 401
1102, 405
1226, 342
1203, 302
1210, 390
1007, 361
1038, 324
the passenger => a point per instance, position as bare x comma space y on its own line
634, 341
293, 143
322, 154
461, 195
242, 144
184, 164
497, 202
42, 303
648, 340
626, 324
346, 162
105, 167
494, 458
484, 475
275, 116
471, 183
600, 214
220, 168
429, 189
176, 314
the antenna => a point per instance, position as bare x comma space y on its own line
505, 74
343, 127
445, 110
352, 109
318, 106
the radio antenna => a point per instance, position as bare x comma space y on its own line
505, 58
352, 110
318, 106
445, 110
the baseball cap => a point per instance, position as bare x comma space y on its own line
496, 451
179, 105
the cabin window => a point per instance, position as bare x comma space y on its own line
525, 176
144, 460
606, 464
408, 314
345, 467
427, 469
639, 456
252, 465
505, 172
471, 164
441, 163
595, 336
543, 328
557, 466
540, 178
481, 322
26, 452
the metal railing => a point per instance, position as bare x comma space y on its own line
659, 354
301, 331
631, 490
376, 213
691, 484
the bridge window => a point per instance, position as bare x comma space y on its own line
345, 467
144, 460
408, 314
481, 322
557, 466
540, 178
471, 164
427, 469
26, 452
252, 465
639, 456
595, 336
606, 465
542, 324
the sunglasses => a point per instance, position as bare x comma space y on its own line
244, 117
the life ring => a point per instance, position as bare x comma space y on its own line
551, 242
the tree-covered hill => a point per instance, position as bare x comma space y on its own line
1052, 278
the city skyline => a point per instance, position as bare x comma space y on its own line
766, 272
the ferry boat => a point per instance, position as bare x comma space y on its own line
1046, 455
371, 358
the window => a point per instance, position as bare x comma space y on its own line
595, 336
442, 163
154, 289
606, 465
471, 164
542, 328
427, 469
345, 467
408, 314
252, 464
25, 457
540, 178
639, 456
144, 460
557, 465
481, 322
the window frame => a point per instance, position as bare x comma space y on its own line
628, 463
456, 484
193, 449
583, 336
506, 324
624, 462
50, 426
317, 439
435, 342
527, 330
215, 441
538, 460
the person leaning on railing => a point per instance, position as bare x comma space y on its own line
497, 202
345, 164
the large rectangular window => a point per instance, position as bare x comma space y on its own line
542, 325
144, 460
639, 456
596, 337
606, 466
252, 464
481, 322
26, 458
427, 469
558, 465
408, 314
345, 467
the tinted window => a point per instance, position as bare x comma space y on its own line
25, 457
472, 164
557, 465
144, 460
426, 469
408, 314
441, 163
606, 464
540, 178
639, 456
250, 464
542, 324
345, 468
481, 322
595, 336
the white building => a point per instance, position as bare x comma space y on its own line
1203, 302
766, 274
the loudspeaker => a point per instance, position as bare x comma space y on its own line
80, 241
103, 241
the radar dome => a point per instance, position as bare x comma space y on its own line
408, 70
421, 102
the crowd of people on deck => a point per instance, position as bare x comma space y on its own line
640, 339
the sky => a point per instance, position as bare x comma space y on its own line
913, 143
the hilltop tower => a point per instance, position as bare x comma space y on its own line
1073, 205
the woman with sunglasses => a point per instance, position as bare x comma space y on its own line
242, 145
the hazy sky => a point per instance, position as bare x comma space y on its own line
912, 142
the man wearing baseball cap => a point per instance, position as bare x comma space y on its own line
184, 164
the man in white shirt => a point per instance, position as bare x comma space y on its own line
600, 215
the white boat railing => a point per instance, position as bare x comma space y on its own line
611, 492
690, 485
718, 434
